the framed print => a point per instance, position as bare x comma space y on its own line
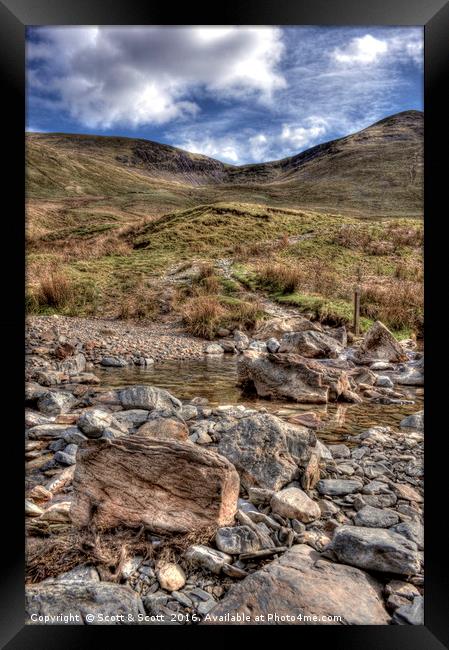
218, 229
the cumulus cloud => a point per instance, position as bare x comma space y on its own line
151, 75
368, 49
300, 137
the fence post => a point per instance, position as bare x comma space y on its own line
357, 311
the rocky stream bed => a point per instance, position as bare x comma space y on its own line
153, 506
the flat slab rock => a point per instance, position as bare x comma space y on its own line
301, 583
164, 485
98, 599
379, 344
375, 549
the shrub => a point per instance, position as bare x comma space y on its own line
202, 315
54, 290
280, 277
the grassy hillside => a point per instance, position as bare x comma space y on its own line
294, 257
375, 172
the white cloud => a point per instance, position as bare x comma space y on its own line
363, 49
300, 137
148, 75
226, 149
258, 145
367, 49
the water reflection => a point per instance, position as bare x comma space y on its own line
216, 379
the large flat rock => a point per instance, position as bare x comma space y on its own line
164, 485
301, 584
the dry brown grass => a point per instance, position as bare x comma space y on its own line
202, 315
280, 277
243, 252
47, 557
398, 303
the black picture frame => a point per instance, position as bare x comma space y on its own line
15, 15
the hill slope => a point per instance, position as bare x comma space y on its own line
375, 172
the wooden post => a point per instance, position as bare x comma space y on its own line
357, 311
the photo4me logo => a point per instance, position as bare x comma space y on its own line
270, 618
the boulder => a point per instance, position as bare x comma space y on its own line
300, 588
170, 428
214, 348
273, 344
74, 364
107, 603
164, 485
411, 377
113, 362
93, 422
379, 344
56, 402
277, 327
149, 398
414, 421
234, 540
295, 504
411, 613
412, 530
267, 452
375, 549
292, 377
241, 340
311, 344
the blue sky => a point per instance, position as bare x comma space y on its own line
239, 94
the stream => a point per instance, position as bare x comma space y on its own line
215, 378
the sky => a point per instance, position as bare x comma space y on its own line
238, 94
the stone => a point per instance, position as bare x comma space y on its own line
131, 418
189, 412
292, 377
265, 450
50, 431
338, 486
295, 504
339, 451
61, 480
339, 334
237, 539
55, 402
214, 348
407, 492
260, 496
411, 614
170, 428
79, 574
414, 421
310, 420
302, 583
149, 398
273, 344
381, 365
31, 509
401, 588
164, 485
258, 346
171, 577
241, 341
93, 422
107, 603
73, 364
412, 530
411, 377
384, 381
277, 327
67, 456
328, 508
375, 549
379, 344
375, 518
207, 558
113, 362
311, 344
58, 512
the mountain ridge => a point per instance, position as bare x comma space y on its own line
377, 171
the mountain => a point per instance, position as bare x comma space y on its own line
375, 172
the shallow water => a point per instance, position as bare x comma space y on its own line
216, 379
